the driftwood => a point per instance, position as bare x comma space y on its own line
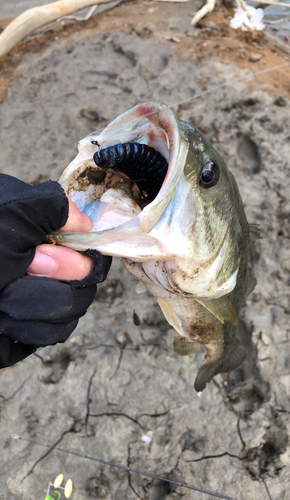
35, 18
89, 15
210, 5
279, 21
271, 2
277, 42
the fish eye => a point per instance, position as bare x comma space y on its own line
209, 175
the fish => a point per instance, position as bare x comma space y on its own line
187, 242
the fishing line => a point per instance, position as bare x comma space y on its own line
235, 80
212, 89
123, 467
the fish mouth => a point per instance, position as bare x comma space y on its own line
117, 206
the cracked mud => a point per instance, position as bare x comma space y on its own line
113, 381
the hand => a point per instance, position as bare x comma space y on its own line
62, 263
35, 310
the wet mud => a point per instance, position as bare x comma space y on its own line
114, 381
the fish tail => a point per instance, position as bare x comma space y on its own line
231, 358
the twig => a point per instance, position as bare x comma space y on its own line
90, 14
242, 4
35, 18
285, 20
271, 2
208, 7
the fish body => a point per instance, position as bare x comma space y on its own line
189, 246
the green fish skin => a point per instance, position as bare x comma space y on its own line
189, 246
223, 350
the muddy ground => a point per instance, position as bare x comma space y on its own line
112, 382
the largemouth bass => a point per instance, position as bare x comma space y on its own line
187, 241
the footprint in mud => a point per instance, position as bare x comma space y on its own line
189, 442
163, 490
264, 461
247, 392
249, 154
59, 364
90, 114
97, 486
110, 290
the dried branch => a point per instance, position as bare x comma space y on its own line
271, 2
208, 7
279, 21
89, 15
35, 18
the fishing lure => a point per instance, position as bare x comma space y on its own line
141, 163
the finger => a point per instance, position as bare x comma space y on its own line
60, 263
77, 221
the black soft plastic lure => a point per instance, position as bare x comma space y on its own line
142, 164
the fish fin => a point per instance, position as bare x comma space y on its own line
140, 287
255, 231
250, 283
221, 308
182, 347
170, 315
232, 357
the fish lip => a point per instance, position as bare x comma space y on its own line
131, 124
177, 147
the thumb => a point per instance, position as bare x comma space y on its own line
60, 263
77, 222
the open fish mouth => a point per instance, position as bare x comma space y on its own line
124, 179
139, 182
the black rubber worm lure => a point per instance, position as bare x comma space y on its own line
142, 164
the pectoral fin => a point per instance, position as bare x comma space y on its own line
184, 348
250, 283
221, 308
255, 231
170, 315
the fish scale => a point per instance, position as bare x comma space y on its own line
141, 163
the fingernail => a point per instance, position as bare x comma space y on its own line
87, 223
43, 265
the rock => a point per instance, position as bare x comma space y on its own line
255, 57
121, 337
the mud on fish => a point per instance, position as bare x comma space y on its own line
160, 196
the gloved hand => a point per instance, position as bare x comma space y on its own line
37, 311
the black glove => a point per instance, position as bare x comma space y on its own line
35, 311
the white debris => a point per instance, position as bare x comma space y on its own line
248, 18
147, 437
140, 288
